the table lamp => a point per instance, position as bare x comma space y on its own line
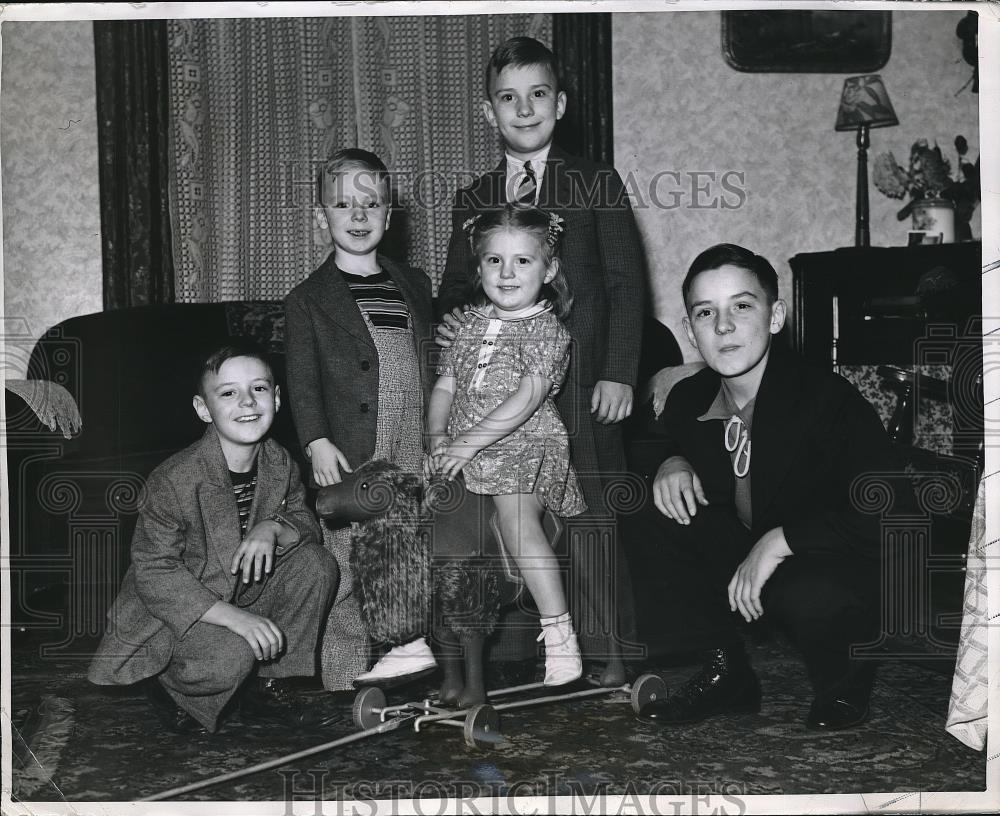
864, 104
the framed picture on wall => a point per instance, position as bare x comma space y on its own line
838, 42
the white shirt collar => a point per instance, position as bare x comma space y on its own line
516, 166
488, 312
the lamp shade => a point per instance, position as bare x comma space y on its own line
865, 102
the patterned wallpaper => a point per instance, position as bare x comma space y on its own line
51, 204
784, 180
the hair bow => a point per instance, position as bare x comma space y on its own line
555, 229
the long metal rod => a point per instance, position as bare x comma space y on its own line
554, 698
445, 715
382, 728
503, 692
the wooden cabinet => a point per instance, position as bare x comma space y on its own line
879, 303
904, 324
916, 308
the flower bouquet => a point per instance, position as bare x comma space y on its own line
929, 177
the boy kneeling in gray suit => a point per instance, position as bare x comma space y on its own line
227, 574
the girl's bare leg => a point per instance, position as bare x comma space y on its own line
520, 520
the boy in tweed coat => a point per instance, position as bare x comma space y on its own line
227, 573
603, 263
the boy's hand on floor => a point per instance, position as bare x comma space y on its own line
447, 329
753, 573
611, 402
327, 462
677, 490
263, 636
256, 553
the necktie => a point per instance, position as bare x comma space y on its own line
526, 189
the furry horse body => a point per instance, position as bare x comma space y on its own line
421, 563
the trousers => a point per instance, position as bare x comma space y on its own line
210, 663
599, 586
824, 602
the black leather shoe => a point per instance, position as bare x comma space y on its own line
725, 685
272, 700
836, 714
172, 716
844, 704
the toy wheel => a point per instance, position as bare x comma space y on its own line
368, 707
482, 727
646, 689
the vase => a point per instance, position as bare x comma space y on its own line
935, 216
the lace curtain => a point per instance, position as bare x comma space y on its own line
256, 104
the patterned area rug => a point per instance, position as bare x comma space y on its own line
94, 744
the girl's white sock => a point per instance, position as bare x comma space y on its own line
563, 663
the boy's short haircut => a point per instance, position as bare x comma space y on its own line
731, 254
217, 356
354, 158
520, 52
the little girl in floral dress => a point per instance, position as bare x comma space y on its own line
492, 416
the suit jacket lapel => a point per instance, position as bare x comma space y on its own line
334, 297
220, 515
778, 424
556, 189
272, 485
718, 469
491, 191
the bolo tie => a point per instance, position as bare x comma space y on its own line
738, 442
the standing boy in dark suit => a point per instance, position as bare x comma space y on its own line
603, 263
221, 518
760, 500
